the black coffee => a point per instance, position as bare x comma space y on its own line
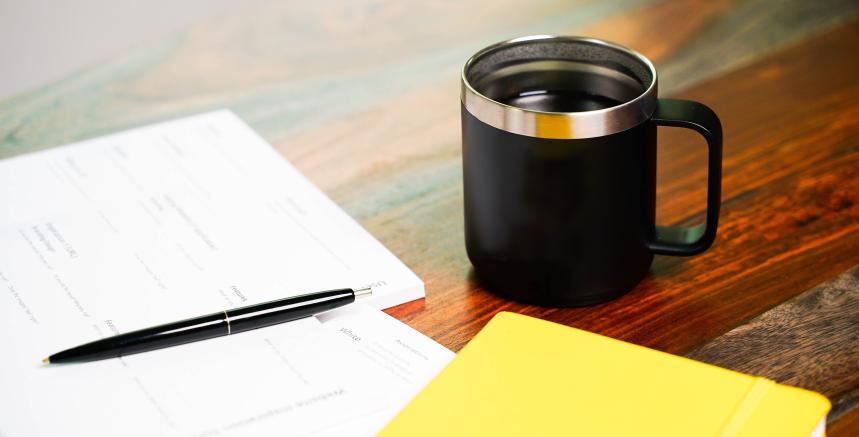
558, 86
559, 101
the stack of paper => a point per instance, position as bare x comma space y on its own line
177, 220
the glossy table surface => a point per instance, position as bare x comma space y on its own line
363, 98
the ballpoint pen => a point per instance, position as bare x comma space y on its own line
213, 325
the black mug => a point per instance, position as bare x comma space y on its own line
559, 169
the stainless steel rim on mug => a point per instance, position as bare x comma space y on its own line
561, 125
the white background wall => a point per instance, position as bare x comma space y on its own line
42, 41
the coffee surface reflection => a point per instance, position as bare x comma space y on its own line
559, 101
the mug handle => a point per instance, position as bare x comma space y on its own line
687, 241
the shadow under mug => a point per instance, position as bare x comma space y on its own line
559, 169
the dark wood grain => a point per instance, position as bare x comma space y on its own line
750, 30
694, 40
778, 237
846, 426
363, 99
810, 341
790, 217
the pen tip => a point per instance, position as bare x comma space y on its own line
46, 360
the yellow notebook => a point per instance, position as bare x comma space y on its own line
522, 376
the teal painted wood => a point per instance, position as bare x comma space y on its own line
363, 98
751, 29
291, 68
283, 68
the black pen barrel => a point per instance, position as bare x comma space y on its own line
287, 310
208, 326
147, 339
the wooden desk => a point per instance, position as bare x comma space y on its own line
363, 98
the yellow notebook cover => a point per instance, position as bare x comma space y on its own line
522, 376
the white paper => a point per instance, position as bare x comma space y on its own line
177, 220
